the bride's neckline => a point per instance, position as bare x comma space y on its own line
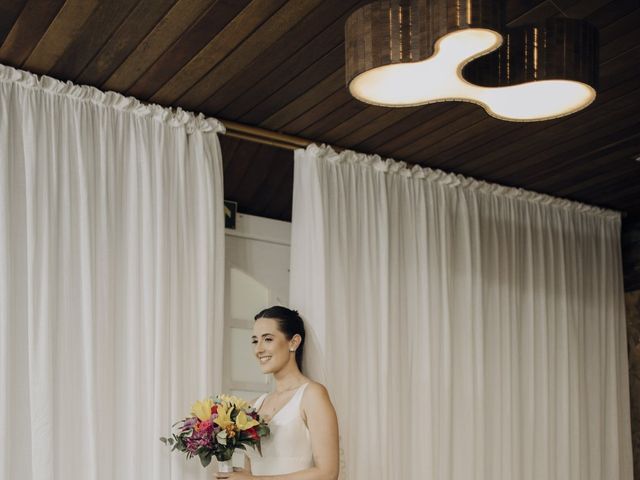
281, 408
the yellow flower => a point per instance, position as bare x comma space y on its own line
233, 400
224, 415
245, 423
202, 409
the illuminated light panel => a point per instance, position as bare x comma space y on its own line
439, 78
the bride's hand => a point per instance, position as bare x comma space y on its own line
237, 474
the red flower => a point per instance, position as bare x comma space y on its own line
214, 408
202, 426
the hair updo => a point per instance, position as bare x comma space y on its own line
289, 323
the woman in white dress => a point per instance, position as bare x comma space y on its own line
303, 444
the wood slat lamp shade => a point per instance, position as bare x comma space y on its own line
559, 49
403, 53
401, 31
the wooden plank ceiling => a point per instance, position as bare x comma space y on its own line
279, 64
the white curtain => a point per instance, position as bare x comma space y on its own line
111, 280
466, 331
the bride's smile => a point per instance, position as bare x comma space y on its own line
265, 359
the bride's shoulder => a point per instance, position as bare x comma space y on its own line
316, 402
315, 391
313, 385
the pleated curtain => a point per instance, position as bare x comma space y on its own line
111, 280
465, 331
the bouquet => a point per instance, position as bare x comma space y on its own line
216, 428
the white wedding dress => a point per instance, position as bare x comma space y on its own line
288, 447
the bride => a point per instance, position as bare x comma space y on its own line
303, 444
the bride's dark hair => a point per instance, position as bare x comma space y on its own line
289, 323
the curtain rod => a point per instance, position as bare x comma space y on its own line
280, 140
263, 136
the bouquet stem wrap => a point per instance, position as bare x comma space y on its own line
225, 466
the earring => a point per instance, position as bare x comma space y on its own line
292, 350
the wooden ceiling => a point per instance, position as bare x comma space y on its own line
279, 64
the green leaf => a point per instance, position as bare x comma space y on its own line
205, 459
180, 445
225, 454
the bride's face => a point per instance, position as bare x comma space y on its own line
270, 345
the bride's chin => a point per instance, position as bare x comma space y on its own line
268, 369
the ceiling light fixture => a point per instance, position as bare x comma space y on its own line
405, 53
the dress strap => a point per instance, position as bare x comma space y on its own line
298, 396
259, 401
